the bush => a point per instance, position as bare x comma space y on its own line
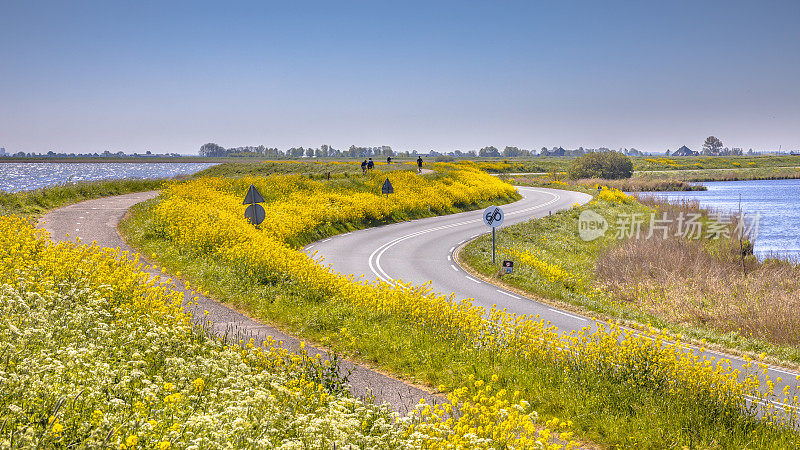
607, 165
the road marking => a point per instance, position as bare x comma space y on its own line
451, 249
766, 402
568, 314
454, 267
77, 223
326, 240
308, 247
510, 295
77, 229
473, 279
449, 258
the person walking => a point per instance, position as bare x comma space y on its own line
419, 164
364, 166
388, 160
370, 164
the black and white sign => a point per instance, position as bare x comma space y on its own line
493, 216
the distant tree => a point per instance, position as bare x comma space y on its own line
489, 151
309, 152
512, 152
667, 152
608, 165
213, 150
712, 146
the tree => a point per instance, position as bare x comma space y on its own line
212, 149
712, 146
667, 154
607, 165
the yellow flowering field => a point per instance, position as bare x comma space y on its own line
631, 390
96, 353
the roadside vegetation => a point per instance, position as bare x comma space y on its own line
629, 391
707, 289
97, 354
36, 202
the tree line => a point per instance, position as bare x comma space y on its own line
327, 151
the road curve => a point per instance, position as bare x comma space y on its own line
97, 220
421, 251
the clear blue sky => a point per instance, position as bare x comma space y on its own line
171, 76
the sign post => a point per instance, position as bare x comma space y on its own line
493, 217
387, 188
255, 212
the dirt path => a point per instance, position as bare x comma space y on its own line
97, 220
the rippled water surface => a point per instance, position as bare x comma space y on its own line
777, 201
26, 176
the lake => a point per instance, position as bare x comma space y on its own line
24, 176
777, 201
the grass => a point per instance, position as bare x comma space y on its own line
314, 169
611, 408
696, 288
701, 175
36, 202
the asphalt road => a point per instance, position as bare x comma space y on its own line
421, 251
97, 220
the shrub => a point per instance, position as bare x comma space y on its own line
606, 165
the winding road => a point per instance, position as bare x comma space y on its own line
423, 251
417, 252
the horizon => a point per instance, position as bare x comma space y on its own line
91, 77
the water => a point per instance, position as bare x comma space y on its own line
26, 176
777, 201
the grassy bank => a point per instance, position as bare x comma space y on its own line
97, 354
36, 202
700, 288
597, 381
743, 174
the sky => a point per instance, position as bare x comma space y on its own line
171, 76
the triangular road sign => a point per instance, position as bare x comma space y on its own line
387, 187
253, 196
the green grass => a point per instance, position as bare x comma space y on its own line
555, 240
34, 203
614, 411
314, 169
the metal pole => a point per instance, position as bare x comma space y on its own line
493, 245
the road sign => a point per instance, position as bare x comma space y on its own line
508, 266
387, 187
253, 196
254, 213
493, 216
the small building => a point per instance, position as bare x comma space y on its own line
685, 151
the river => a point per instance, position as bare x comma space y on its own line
25, 176
777, 202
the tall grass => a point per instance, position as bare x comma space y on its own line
714, 284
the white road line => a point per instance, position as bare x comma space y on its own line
766, 402
473, 279
793, 374
326, 240
568, 314
506, 293
449, 258
308, 247
451, 249
77, 229
454, 267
